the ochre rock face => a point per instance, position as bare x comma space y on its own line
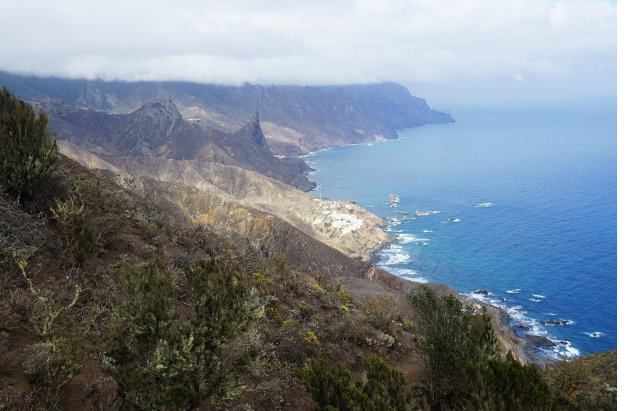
231, 198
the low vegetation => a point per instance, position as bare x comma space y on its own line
589, 382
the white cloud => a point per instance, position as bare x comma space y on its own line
314, 42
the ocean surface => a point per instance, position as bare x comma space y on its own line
542, 243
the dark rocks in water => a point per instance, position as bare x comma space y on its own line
540, 341
522, 327
564, 342
481, 292
503, 299
556, 322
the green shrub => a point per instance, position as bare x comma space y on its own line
84, 240
449, 336
450, 333
147, 310
464, 370
504, 385
175, 360
73, 222
383, 389
64, 214
28, 151
332, 390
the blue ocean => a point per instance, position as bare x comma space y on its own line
518, 203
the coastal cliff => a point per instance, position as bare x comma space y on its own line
295, 120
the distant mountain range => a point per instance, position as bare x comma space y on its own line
295, 119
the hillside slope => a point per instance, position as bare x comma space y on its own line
344, 226
127, 229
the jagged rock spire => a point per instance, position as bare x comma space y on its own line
253, 131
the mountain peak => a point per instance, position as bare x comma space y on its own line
148, 128
162, 108
253, 131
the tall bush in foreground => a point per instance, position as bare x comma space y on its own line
449, 335
383, 389
464, 370
504, 385
168, 358
28, 151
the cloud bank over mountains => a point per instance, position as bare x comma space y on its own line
315, 42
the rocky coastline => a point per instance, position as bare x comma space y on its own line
524, 347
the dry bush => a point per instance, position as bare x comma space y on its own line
109, 227
379, 312
270, 394
101, 395
16, 307
575, 385
23, 401
34, 365
9, 358
348, 330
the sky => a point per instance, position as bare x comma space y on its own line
444, 50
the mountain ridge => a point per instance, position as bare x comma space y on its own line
157, 130
324, 116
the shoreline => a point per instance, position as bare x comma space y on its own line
522, 347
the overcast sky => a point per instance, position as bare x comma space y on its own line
445, 50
